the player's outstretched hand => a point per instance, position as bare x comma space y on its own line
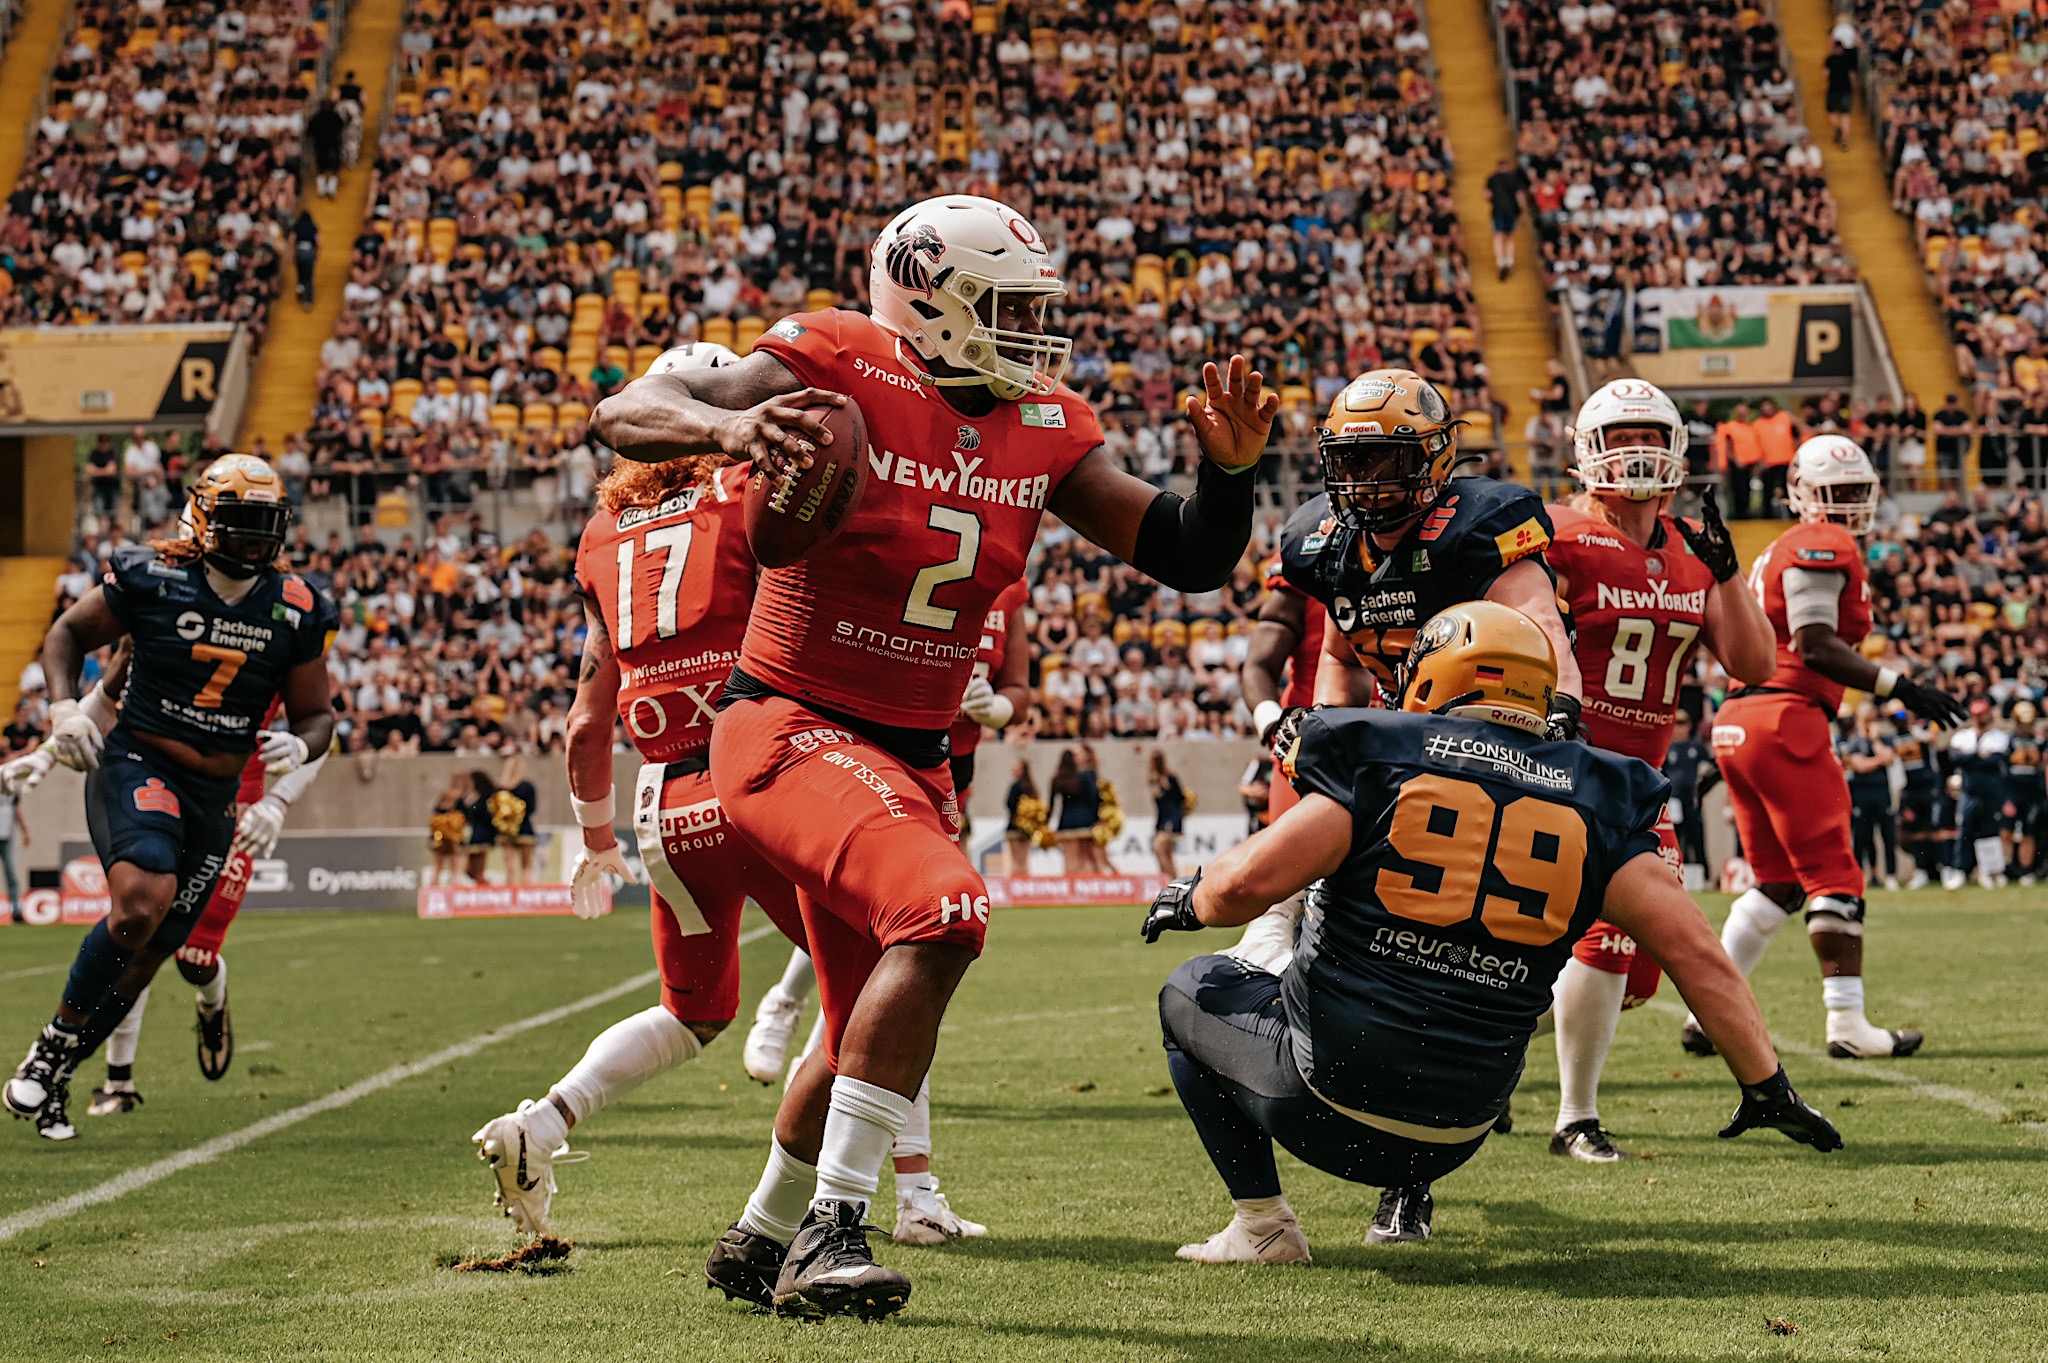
74, 739
1773, 1104
587, 894
1931, 703
1711, 543
1233, 415
779, 435
24, 774
1173, 910
256, 832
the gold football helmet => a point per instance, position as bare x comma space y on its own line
1388, 447
238, 514
1482, 660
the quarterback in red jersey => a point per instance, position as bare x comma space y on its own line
1774, 742
830, 751
1643, 589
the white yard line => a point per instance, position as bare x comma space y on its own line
208, 1151
1979, 1103
244, 939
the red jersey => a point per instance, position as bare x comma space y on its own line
673, 583
252, 771
988, 659
1637, 615
1308, 649
884, 622
1818, 546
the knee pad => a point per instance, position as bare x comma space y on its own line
1834, 913
1761, 912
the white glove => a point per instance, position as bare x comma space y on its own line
24, 774
74, 739
256, 831
281, 751
985, 706
586, 880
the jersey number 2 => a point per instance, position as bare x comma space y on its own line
919, 610
1451, 831
674, 542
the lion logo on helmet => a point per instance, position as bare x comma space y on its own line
911, 257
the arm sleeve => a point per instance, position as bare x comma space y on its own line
1813, 596
1191, 544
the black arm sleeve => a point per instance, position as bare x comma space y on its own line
1191, 544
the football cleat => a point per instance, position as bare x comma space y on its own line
1268, 1240
767, 1049
525, 1172
744, 1266
924, 1217
1404, 1216
831, 1272
42, 1072
1588, 1142
112, 1102
1918, 880
216, 1040
1505, 1123
53, 1123
1695, 1041
1896, 1045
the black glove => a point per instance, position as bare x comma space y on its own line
1935, 706
1173, 910
1286, 729
1564, 718
1773, 1104
1710, 543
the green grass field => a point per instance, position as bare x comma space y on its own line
1926, 1238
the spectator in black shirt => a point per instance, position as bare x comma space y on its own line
1951, 441
1504, 190
1684, 760
1873, 822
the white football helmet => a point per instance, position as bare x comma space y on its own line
693, 355
1640, 472
946, 276
1832, 479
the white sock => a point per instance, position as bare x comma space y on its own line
920, 1182
1262, 1208
122, 1041
916, 1138
862, 1123
1587, 1004
214, 992
799, 977
783, 1196
1842, 991
546, 1125
624, 1056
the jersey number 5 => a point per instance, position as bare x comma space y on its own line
1451, 833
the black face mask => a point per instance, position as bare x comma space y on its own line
246, 537
1380, 483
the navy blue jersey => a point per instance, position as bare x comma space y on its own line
1981, 758
1479, 855
205, 672
1920, 765
1865, 787
2023, 771
1379, 598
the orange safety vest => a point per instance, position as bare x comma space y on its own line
1774, 434
1736, 442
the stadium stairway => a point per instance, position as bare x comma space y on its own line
1518, 335
26, 597
1879, 239
31, 49
287, 373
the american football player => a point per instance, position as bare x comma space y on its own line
1774, 743
857, 657
1462, 853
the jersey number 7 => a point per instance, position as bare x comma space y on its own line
1450, 833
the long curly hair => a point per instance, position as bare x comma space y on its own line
632, 483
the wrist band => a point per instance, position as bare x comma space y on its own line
1264, 716
1887, 681
596, 813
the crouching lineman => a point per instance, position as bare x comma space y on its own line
1462, 855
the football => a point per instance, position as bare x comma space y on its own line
789, 516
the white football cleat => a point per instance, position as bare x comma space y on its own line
767, 1049
1268, 1240
924, 1217
1918, 880
525, 1172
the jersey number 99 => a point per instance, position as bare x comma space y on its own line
1450, 833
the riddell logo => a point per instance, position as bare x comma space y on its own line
964, 909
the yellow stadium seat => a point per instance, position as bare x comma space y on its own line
697, 203
1937, 250
670, 172
505, 417
718, 331
644, 357
748, 331
726, 224
539, 416
817, 300
1295, 395
588, 305
1423, 336
1478, 429
133, 261
619, 357
671, 208
404, 394
200, 263
373, 423
456, 332
573, 414
548, 358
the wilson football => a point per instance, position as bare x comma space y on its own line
788, 517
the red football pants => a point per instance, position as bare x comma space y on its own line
1606, 947
702, 873
867, 840
203, 943
1790, 798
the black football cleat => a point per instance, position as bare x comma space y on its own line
1587, 1142
1903, 1044
744, 1266
1504, 1123
112, 1102
1694, 1040
216, 1040
1404, 1216
53, 1123
831, 1272
43, 1072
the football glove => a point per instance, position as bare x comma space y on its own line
24, 774
587, 892
256, 831
281, 751
1173, 910
1285, 730
74, 739
1711, 543
985, 705
1564, 718
1935, 706
1773, 1104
